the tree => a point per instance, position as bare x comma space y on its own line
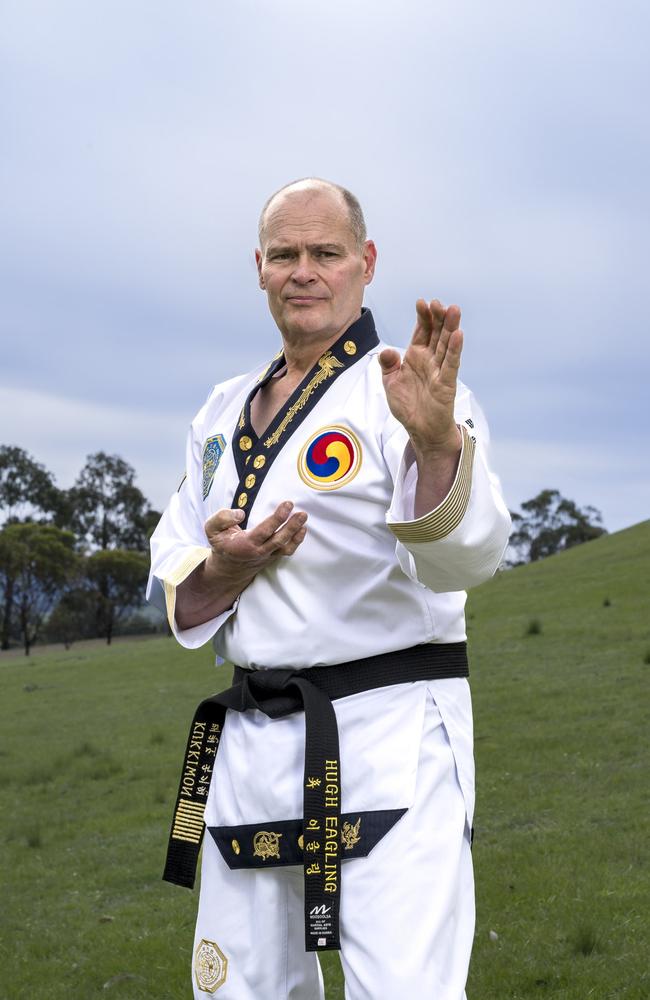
40, 560
120, 578
27, 490
74, 617
105, 508
27, 493
550, 523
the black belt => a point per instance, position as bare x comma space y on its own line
278, 693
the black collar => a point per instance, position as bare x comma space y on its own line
254, 456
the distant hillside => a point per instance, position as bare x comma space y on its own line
592, 602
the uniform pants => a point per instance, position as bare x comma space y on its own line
407, 910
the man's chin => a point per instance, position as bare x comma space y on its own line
308, 322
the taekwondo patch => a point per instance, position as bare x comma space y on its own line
213, 449
330, 458
210, 966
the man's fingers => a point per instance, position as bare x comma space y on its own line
285, 537
451, 325
449, 360
423, 324
452, 318
222, 520
431, 320
268, 527
290, 547
438, 314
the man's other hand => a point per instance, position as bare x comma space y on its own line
236, 558
236, 549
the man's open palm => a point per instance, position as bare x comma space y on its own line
421, 388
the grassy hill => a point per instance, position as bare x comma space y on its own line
561, 671
90, 745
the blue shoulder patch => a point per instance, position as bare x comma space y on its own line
213, 449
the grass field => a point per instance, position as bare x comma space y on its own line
90, 750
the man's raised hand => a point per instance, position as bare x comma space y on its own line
421, 388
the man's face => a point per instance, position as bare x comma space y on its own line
311, 267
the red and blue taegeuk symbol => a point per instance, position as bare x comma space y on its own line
330, 458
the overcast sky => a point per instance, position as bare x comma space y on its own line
500, 151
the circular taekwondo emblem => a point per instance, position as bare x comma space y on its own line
330, 459
210, 966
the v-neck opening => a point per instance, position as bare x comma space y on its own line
255, 453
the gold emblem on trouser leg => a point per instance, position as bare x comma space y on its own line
266, 844
210, 966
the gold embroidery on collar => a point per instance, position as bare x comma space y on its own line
328, 364
270, 364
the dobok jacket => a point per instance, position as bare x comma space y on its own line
369, 578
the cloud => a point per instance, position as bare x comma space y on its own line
497, 150
615, 484
58, 432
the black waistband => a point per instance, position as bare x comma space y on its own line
278, 693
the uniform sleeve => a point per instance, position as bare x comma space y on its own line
178, 545
461, 542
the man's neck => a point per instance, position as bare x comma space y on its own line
301, 355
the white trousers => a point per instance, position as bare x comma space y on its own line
407, 910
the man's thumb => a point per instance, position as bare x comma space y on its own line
222, 520
389, 360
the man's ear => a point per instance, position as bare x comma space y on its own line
258, 261
369, 259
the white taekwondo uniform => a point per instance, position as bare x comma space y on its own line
368, 579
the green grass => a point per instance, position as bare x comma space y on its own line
90, 746
561, 848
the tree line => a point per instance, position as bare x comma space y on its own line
72, 562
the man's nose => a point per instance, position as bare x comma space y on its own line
304, 271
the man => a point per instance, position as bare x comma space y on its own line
337, 505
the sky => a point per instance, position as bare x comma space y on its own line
500, 151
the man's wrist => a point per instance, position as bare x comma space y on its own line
222, 576
429, 454
207, 593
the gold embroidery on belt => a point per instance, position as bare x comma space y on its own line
266, 844
350, 834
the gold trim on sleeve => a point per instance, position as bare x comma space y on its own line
447, 515
192, 558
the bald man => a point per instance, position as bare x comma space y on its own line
337, 505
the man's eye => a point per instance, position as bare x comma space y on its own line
326, 253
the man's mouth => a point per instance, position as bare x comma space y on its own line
304, 299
